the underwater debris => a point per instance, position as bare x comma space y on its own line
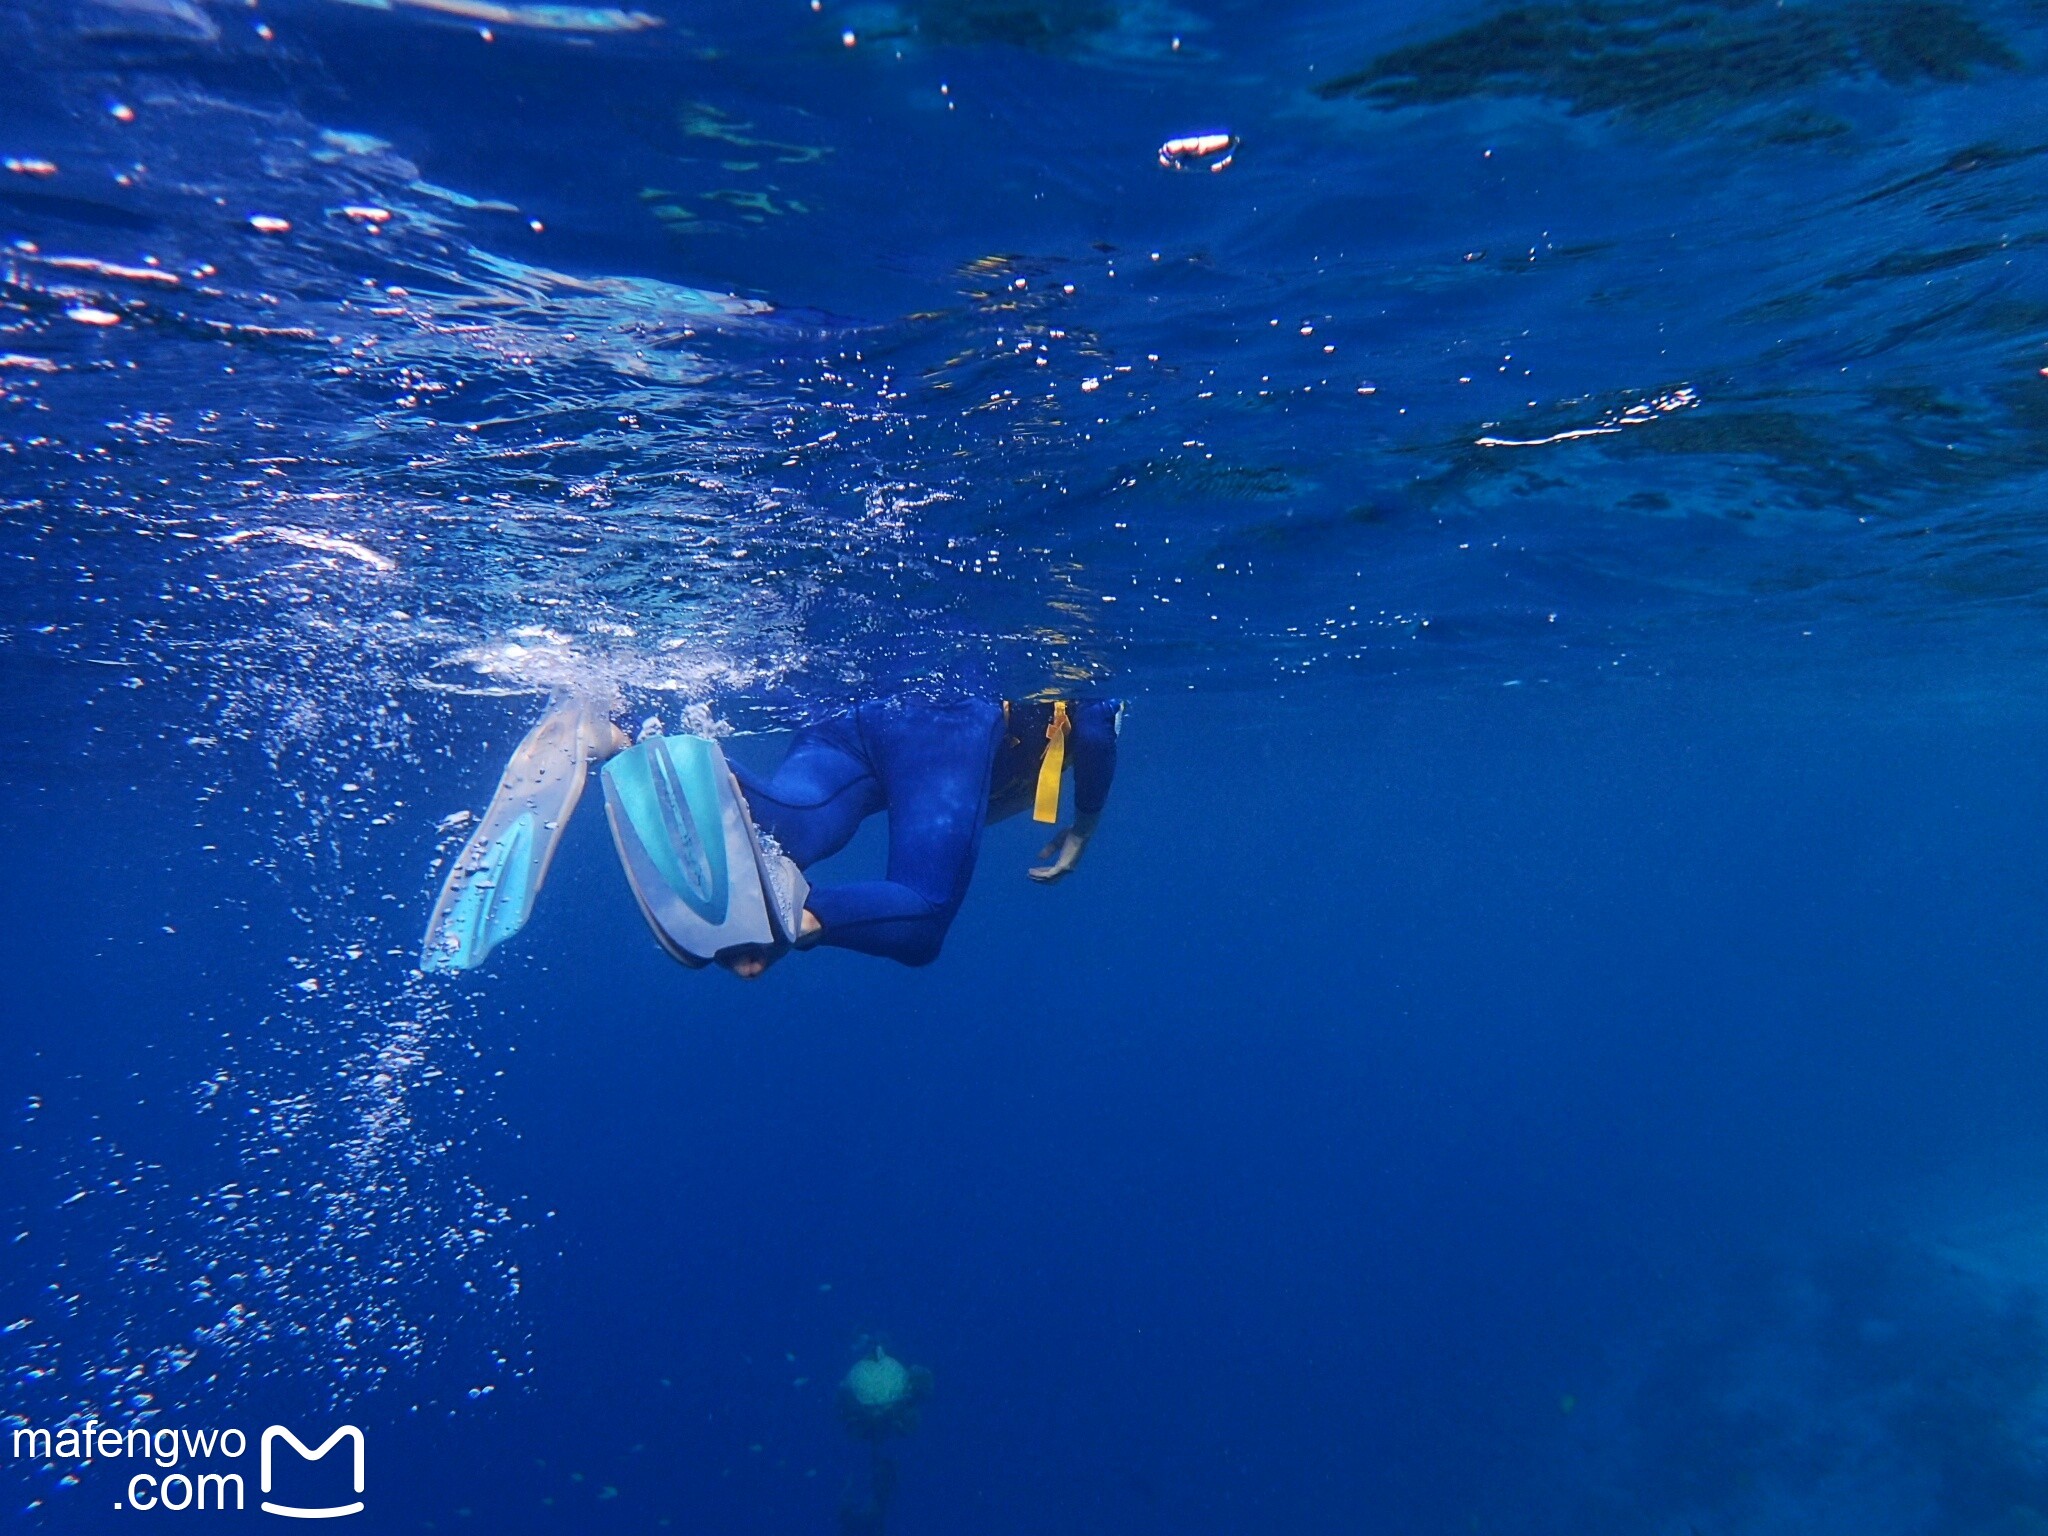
880, 1395
1199, 152
878, 1398
1641, 57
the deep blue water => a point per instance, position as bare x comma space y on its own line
1549, 1038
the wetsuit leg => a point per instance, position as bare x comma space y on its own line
820, 794
933, 763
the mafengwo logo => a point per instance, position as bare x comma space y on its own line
347, 1432
184, 1469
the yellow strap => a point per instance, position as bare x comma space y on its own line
1047, 807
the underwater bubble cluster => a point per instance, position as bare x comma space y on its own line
343, 1230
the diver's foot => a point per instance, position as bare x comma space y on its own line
749, 960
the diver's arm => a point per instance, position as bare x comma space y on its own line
1092, 748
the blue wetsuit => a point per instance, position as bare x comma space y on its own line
941, 770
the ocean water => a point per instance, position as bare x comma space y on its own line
1549, 1038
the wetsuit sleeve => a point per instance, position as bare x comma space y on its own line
1093, 749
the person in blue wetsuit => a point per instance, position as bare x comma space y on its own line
942, 770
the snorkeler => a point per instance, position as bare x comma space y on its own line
942, 771
715, 854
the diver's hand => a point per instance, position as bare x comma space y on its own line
1064, 852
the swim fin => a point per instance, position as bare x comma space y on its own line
783, 885
489, 893
692, 854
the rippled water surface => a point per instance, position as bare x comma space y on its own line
370, 370
1558, 331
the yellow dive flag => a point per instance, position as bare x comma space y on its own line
1047, 807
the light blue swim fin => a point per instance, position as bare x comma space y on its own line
489, 893
691, 853
491, 899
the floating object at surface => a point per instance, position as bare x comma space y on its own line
1198, 152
